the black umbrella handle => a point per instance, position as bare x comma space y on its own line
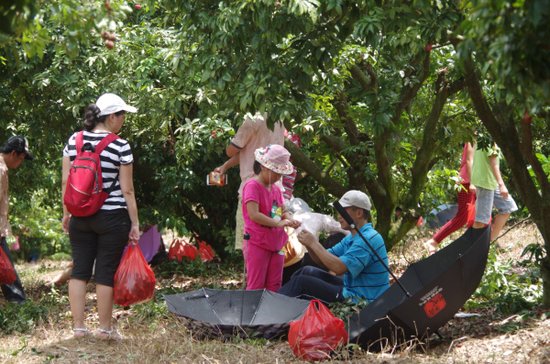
342, 211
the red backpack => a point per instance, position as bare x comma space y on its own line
84, 193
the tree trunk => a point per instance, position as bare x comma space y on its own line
519, 154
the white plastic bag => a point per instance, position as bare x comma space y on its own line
317, 223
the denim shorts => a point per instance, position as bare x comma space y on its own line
487, 199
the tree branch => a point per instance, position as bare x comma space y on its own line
424, 160
301, 161
409, 92
340, 103
384, 140
529, 153
506, 136
334, 142
431, 139
478, 100
368, 83
357, 162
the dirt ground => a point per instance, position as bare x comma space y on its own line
486, 337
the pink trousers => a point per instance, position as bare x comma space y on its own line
464, 216
264, 268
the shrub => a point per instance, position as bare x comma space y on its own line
38, 226
507, 287
22, 318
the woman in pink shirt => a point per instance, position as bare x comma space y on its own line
265, 219
466, 202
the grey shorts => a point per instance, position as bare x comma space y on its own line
487, 199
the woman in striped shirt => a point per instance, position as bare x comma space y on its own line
101, 237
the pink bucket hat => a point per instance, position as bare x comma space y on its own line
276, 158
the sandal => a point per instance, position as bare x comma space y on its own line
79, 332
112, 334
431, 246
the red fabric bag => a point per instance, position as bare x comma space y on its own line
206, 252
317, 333
7, 271
134, 279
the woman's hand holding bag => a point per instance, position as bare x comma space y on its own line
134, 278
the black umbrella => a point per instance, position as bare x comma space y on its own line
441, 215
429, 293
256, 313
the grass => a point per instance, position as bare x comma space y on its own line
39, 331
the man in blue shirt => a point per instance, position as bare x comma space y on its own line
352, 270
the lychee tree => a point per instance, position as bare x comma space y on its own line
376, 90
371, 88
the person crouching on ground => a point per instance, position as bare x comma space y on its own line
265, 219
364, 277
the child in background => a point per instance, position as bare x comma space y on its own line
264, 219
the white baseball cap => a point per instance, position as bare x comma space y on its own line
356, 199
111, 103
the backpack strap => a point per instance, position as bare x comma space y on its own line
79, 142
105, 142
100, 147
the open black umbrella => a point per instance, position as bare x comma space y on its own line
256, 313
428, 295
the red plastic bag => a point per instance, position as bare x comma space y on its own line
175, 252
190, 251
7, 271
178, 250
317, 333
134, 279
206, 252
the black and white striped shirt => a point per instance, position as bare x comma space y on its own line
116, 153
